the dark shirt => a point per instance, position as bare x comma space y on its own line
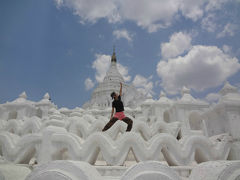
118, 104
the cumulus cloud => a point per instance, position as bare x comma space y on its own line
215, 5
195, 10
237, 84
148, 14
143, 85
208, 23
124, 72
227, 49
192, 9
201, 68
91, 10
102, 63
89, 84
123, 33
228, 30
178, 44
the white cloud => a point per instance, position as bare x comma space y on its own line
227, 49
123, 33
59, 3
203, 67
89, 84
102, 63
212, 97
192, 9
195, 10
124, 72
178, 44
215, 5
91, 10
148, 14
144, 85
228, 30
208, 23
237, 84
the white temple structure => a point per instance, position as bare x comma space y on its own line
101, 95
184, 139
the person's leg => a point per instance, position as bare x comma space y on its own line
129, 122
110, 123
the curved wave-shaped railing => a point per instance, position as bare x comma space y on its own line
184, 152
18, 149
19, 127
83, 128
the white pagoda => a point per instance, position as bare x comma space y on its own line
101, 95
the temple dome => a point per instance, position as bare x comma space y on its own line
111, 83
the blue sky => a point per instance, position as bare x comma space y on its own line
63, 46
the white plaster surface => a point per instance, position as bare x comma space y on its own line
13, 172
218, 170
64, 170
183, 132
150, 171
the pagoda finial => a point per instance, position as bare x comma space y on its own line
114, 59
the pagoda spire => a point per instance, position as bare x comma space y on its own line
114, 59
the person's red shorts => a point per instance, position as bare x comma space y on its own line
119, 115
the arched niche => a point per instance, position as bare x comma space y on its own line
166, 117
12, 115
195, 121
39, 113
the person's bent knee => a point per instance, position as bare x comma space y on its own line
131, 122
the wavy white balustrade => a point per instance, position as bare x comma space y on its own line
55, 141
83, 128
31, 125
54, 122
18, 149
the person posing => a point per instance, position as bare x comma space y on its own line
117, 104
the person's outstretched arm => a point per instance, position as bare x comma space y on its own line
120, 93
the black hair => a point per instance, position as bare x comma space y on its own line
113, 94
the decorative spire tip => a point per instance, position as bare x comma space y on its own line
114, 59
